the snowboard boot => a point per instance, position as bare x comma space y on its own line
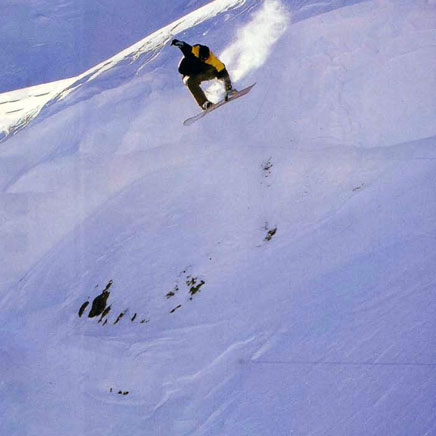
206, 105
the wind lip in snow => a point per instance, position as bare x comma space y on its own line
18, 108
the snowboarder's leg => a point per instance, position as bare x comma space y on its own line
193, 84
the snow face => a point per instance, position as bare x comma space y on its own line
268, 270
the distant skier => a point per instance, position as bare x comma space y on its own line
198, 65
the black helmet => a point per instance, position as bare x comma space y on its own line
204, 52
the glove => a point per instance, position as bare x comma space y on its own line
177, 43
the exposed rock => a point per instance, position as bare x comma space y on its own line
177, 307
195, 289
120, 316
99, 303
83, 307
105, 312
270, 234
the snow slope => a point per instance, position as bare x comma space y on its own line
273, 264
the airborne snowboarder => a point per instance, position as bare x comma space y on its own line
198, 65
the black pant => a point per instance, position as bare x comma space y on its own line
193, 84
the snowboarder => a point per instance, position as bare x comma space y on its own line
198, 65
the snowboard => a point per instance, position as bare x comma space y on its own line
202, 114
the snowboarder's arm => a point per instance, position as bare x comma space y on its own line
183, 46
223, 74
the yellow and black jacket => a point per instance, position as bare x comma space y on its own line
191, 64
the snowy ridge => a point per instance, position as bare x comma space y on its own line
268, 271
